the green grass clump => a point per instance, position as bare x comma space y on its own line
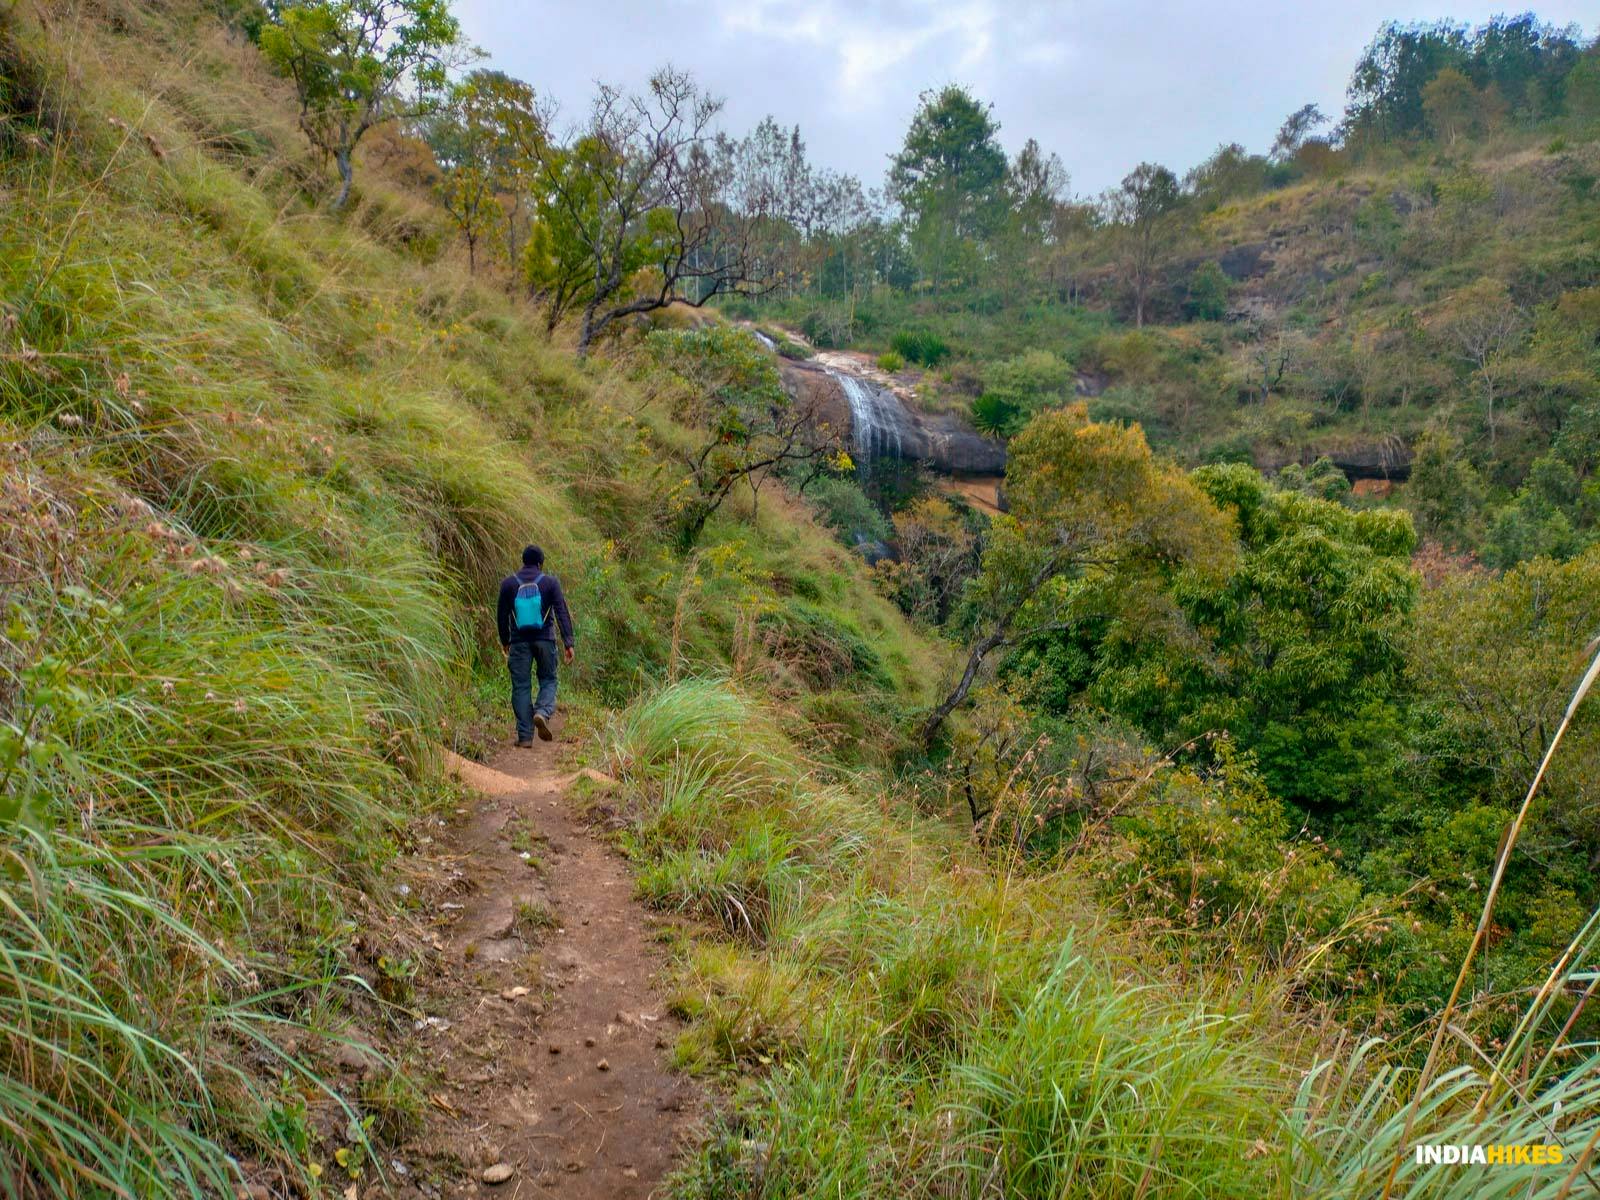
920, 346
920, 1034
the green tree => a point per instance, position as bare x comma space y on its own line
1297, 652
938, 553
1229, 173
1444, 492
1322, 479
949, 176
1582, 87
1385, 97
567, 236
1494, 659
1035, 185
358, 63
1524, 61
1482, 328
1551, 516
1450, 105
1502, 654
480, 138
1209, 287
1296, 128
1085, 501
1305, 664
1143, 210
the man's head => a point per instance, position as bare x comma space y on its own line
532, 556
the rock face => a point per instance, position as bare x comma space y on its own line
882, 425
1388, 459
1247, 261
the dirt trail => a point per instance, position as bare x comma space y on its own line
564, 1083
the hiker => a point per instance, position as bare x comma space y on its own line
531, 605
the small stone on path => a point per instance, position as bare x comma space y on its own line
499, 1173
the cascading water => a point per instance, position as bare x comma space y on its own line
764, 339
877, 419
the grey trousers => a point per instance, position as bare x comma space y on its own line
525, 661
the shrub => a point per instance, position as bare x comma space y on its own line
1208, 292
892, 361
846, 509
997, 416
1027, 382
1126, 404
823, 649
1321, 479
1213, 855
920, 346
827, 329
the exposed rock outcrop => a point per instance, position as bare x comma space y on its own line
1389, 458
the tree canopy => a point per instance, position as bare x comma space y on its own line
358, 63
1086, 500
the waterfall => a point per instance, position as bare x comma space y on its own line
877, 419
764, 339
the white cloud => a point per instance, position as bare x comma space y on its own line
1104, 83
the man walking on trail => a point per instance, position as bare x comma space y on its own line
531, 605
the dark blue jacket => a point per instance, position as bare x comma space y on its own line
553, 600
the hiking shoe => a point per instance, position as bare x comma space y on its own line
525, 743
543, 726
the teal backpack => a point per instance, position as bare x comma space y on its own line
527, 610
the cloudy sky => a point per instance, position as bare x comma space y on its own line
1103, 83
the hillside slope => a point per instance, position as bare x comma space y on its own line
262, 469
263, 466
1423, 303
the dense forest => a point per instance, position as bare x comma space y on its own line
1206, 806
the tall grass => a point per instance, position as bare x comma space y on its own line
930, 1030
261, 471
925, 1026
244, 508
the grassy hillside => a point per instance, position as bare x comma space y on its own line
262, 468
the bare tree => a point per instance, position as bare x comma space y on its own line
1272, 351
642, 199
1482, 326
752, 425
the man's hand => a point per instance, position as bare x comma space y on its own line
505, 649
569, 655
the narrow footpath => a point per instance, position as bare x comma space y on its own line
550, 1048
